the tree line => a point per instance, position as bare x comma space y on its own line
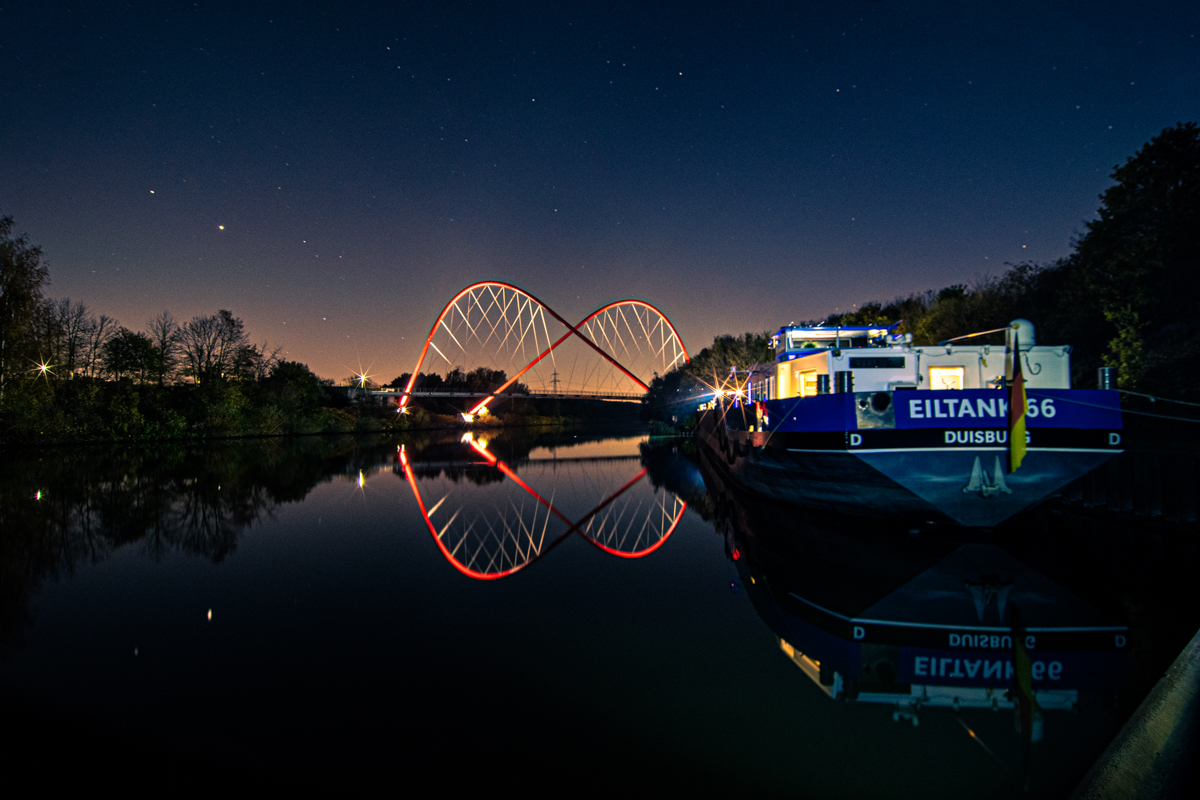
43, 338
69, 374
480, 379
73, 342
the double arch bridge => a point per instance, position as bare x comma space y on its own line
613, 353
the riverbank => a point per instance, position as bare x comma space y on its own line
290, 402
1154, 755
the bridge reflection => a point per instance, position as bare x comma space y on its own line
497, 522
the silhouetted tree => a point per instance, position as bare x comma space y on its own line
294, 386
76, 324
210, 345
1138, 266
22, 275
164, 335
680, 390
98, 336
128, 354
252, 362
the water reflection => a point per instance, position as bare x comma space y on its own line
508, 521
918, 623
363, 617
62, 508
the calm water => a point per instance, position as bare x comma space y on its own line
565, 613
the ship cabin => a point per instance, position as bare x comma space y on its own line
873, 358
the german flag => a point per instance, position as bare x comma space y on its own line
1016, 410
1022, 691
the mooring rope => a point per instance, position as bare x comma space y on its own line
1035, 393
1153, 399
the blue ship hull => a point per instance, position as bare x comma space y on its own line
926, 456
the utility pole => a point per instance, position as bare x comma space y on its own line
554, 380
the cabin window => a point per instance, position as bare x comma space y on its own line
806, 382
878, 362
946, 377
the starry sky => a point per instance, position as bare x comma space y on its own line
333, 175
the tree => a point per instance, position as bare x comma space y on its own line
22, 275
729, 352
1138, 265
164, 334
210, 345
254, 362
76, 325
681, 389
62, 331
104, 329
47, 339
128, 354
294, 385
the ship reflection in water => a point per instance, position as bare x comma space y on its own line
919, 625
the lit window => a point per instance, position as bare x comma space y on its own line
810, 384
946, 377
806, 382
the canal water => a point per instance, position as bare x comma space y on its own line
562, 613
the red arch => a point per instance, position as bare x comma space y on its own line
571, 329
643, 304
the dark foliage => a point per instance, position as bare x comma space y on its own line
675, 395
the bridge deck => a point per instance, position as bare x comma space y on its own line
628, 396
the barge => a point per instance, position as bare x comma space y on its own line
858, 420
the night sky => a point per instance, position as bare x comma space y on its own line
740, 168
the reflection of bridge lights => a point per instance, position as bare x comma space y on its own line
480, 447
479, 444
497, 544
